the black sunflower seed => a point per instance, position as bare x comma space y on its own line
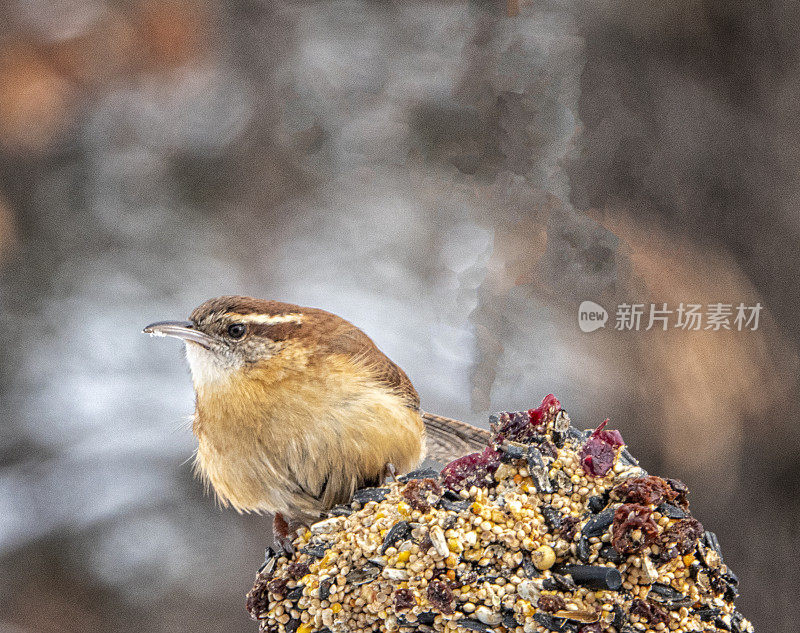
473, 625
584, 549
420, 473
610, 554
398, 532
599, 523
671, 511
597, 503
365, 495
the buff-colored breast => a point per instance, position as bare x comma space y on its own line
277, 439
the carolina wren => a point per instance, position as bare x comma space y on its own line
296, 408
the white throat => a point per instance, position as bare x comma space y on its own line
208, 369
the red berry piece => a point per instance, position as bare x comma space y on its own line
633, 528
277, 587
258, 598
544, 412
440, 596
551, 604
297, 570
684, 534
471, 470
529, 425
421, 494
645, 491
404, 599
600, 451
649, 612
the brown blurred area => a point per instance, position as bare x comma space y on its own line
454, 177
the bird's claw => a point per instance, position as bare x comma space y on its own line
281, 532
284, 543
390, 473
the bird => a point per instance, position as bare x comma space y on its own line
296, 408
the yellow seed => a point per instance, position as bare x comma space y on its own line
404, 556
403, 508
380, 515
451, 561
544, 557
476, 507
688, 560
335, 607
454, 545
305, 628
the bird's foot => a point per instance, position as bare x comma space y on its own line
390, 472
281, 532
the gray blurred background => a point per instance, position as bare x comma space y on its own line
453, 179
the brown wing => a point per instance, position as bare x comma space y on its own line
447, 439
348, 339
450, 439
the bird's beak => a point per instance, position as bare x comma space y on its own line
180, 329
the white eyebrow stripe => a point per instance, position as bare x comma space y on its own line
268, 319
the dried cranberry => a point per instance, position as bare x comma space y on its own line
297, 570
471, 470
627, 519
426, 543
569, 525
258, 598
551, 604
644, 490
440, 596
649, 612
404, 599
527, 426
545, 411
514, 426
277, 587
681, 490
598, 454
422, 493
684, 533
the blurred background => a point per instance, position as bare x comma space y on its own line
450, 176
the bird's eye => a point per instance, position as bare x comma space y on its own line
237, 330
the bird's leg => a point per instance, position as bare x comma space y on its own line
390, 472
281, 531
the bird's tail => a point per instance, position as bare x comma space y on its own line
448, 439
